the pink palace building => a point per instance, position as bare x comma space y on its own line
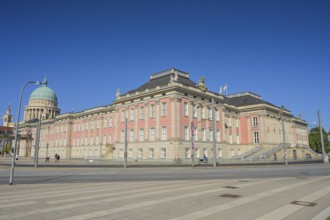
169, 117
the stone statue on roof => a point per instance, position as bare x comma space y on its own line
201, 84
117, 94
176, 76
171, 79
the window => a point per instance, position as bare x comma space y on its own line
163, 153
255, 122
196, 152
105, 122
164, 109
237, 139
130, 153
141, 134
186, 133
122, 136
211, 135
203, 134
217, 115
256, 137
151, 153
110, 122
187, 153
185, 109
131, 135
210, 114
123, 115
132, 114
110, 139
104, 139
229, 122
140, 153
218, 136
203, 112
97, 140
164, 133
152, 111
230, 138
92, 124
237, 123
196, 134
194, 109
121, 153
98, 124
142, 112
220, 153
152, 134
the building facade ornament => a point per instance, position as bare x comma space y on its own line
202, 85
117, 94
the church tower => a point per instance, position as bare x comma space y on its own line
8, 118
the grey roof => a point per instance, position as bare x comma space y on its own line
244, 99
163, 78
162, 81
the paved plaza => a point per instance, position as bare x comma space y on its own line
67, 194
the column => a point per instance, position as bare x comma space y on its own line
158, 131
146, 121
173, 117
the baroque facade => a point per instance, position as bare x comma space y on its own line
168, 117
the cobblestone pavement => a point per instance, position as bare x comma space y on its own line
258, 198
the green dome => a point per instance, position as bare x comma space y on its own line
44, 92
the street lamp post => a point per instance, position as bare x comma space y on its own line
36, 153
125, 153
193, 137
16, 133
47, 150
214, 138
324, 154
283, 131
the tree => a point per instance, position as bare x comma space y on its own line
315, 140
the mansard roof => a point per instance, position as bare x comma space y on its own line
244, 99
163, 78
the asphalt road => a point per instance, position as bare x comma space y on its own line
30, 175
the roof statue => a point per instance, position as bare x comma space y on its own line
171, 79
201, 84
117, 94
220, 91
176, 76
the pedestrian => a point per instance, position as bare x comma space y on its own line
47, 159
205, 158
55, 157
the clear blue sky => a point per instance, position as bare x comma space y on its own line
279, 49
